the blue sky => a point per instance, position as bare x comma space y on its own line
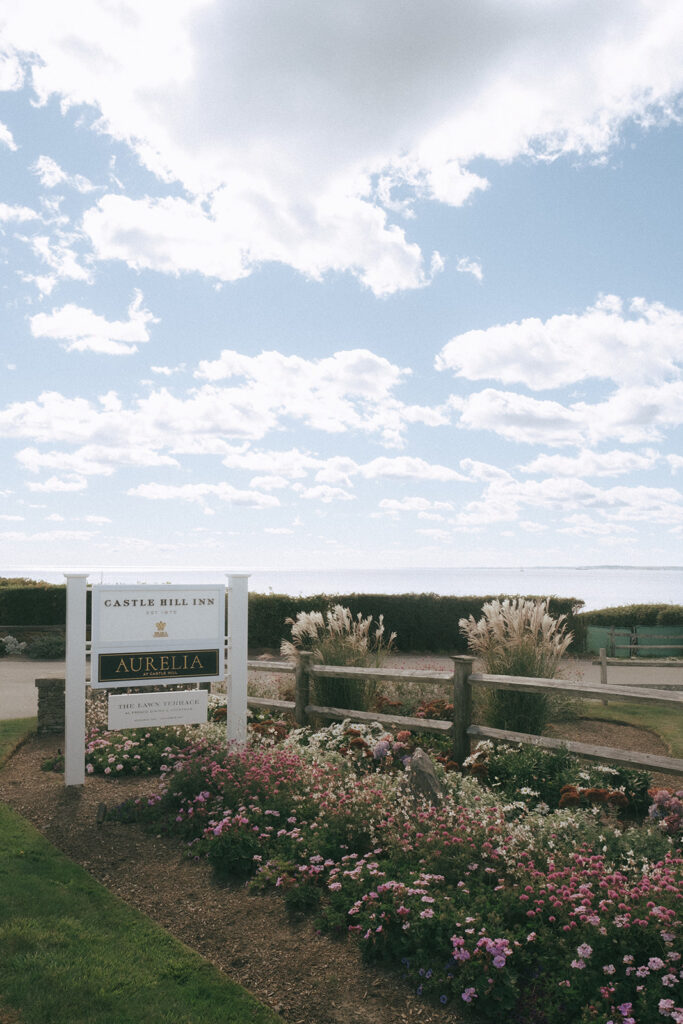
311, 285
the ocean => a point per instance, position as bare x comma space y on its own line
596, 586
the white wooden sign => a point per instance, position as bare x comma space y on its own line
140, 710
189, 623
157, 635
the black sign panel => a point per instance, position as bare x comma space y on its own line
124, 668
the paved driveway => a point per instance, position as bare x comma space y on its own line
18, 693
19, 696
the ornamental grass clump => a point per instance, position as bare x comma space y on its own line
339, 638
518, 637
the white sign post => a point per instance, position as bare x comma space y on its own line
74, 696
236, 683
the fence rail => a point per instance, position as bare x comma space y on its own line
460, 728
603, 661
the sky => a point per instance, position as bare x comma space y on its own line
315, 285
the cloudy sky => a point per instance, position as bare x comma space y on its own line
312, 284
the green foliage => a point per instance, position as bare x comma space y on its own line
9, 645
423, 622
628, 615
518, 638
36, 604
533, 775
338, 638
46, 646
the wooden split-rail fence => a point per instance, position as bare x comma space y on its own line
460, 728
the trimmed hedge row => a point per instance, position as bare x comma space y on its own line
629, 615
40, 604
423, 622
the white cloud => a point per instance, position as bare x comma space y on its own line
504, 500
227, 242
51, 175
59, 255
83, 331
634, 415
269, 483
11, 73
167, 371
54, 484
466, 265
588, 463
351, 389
414, 504
6, 137
602, 342
92, 460
200, 493
588, 526
286, 117
521, 418
18, 214
326, 494
407, 468
55, 537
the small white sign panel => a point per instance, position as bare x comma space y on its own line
159, 616
140, 710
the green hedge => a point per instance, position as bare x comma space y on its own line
629, 615
42, 604
423, 622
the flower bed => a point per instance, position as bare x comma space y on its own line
486, 903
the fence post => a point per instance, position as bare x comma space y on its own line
302, 687
603, 670
462, 705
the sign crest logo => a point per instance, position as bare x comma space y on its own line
160, 630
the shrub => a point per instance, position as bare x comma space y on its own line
337, 638
10, 645
518, 638
46, 646
667, 809
557, 779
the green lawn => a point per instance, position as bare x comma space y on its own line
666, 722
72, 953
13, 732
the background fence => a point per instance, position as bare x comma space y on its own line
460, 728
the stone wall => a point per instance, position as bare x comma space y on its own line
50, 706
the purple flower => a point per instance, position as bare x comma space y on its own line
469, 994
